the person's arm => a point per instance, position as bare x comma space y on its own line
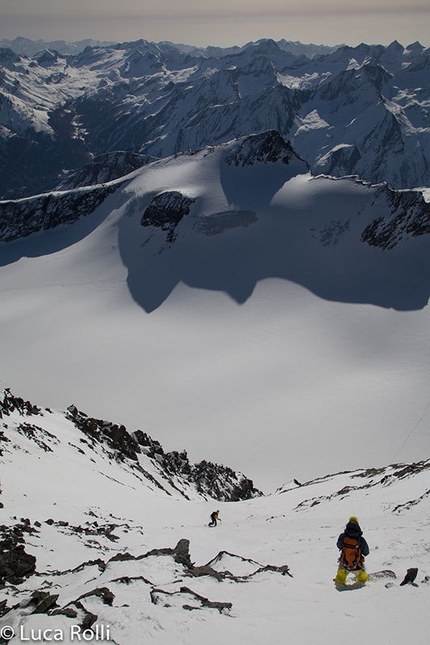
339, 542
364, 546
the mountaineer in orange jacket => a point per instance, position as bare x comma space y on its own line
353, 549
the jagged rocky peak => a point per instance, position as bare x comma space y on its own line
339, 161
395, 47
377, 74
46, 57
8, 58
10, 403
266, 147
141, 62
415, 47
220, 482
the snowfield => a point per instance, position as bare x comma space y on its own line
258, 330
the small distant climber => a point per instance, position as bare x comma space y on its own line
353, 549
214, 518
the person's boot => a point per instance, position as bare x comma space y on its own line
341, 576
362, 577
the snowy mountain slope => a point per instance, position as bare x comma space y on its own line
232, 297
130, 562
360, 110
140, 459
227, 217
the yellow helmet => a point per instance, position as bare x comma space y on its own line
353, 519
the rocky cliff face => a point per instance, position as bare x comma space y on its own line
24, 217
165, 211
409, 217
267, 147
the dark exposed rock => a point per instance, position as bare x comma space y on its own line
104, 168
37, 434
9, 403
159, 595
43, 602
217, 481
410, 217
166, 210
127, 580
3, 608
3, 439
104, 432
206, 570
410, 576
181, 553
15, 565
24, 217
91, 528
104, 593
89, 618
222, 483
267, 147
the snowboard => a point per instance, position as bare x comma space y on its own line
385, 574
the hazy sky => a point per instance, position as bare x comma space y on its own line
219, 22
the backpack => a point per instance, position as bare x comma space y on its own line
351, 557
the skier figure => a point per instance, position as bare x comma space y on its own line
214, 518
353, 549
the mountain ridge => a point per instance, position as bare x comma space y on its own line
260, 179
137, 453
361, 110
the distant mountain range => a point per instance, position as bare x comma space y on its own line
361, 111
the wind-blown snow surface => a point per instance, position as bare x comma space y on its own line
262, 333
104, 544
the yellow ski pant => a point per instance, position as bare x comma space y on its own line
342, 574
